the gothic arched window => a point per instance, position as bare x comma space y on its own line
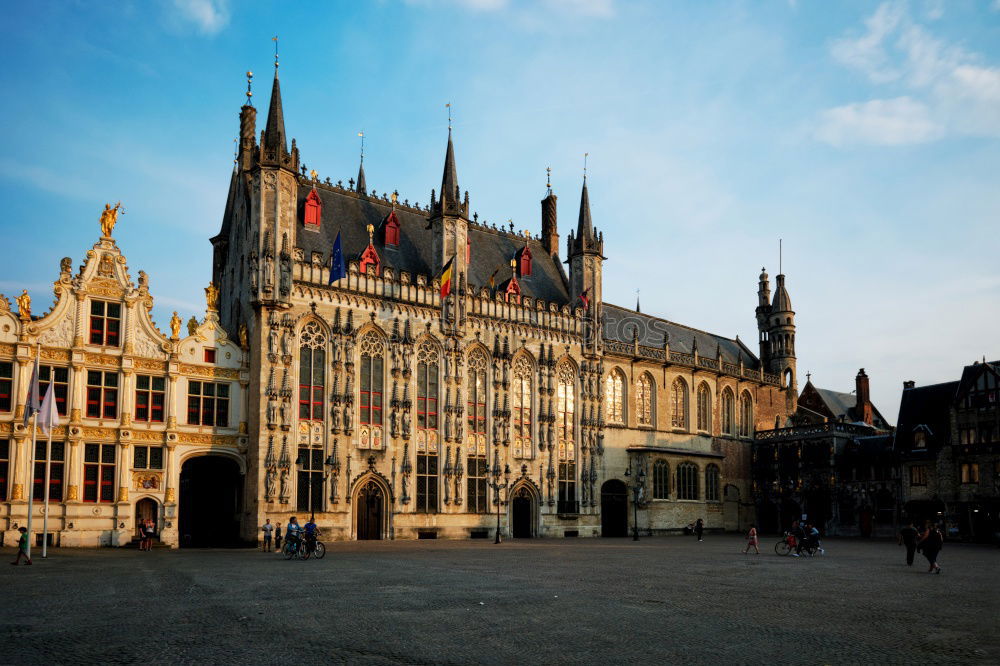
728, 412
645, 398
565, 434
704, 408
477, 467
746, 415
661, 480
372, 383
427, 427
614, 397
687, 481
712, 483
679, 404
521, 412
312, 372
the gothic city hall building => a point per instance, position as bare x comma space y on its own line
450, 377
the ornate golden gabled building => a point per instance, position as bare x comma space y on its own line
136, 408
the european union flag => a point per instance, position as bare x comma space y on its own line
337, 268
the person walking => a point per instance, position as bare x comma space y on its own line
22, 546
931, 542
148, 531
277, 538
267, 529
908, 538
699, 529
752, 540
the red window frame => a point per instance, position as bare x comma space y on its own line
210, 353
56, 470
150, 398
524, 262
4, 467
476, 403
392, 229
102, 394
105, 323
311, 373
313, 212
99, 473
372, 381
427, 396
208, 404
6, 386
45, 373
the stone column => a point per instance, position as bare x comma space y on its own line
74, 470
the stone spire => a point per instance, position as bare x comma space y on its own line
362, 185
449, 179
274, 130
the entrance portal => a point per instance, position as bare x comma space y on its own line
370, 508
210, 504
145, 509
522, 511
614, 509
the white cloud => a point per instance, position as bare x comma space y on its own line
885, 122
207, 16
595, 8
867, 52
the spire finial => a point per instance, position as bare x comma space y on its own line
637, 301
585, 155
780, 271
249, 92
448, 106
548, 179
275, 40
362, 135
236, 151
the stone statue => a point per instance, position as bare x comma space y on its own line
244, 337
66, 265
24, 305
285, 345
175, 326
284, 484
212, 296
268, 271
286, 275
269, 483
284, 414
109, 217
143, 280
254, 266
272, 342
271, 412
192, 326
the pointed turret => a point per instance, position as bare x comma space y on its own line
586, 240
362, 186
274, 131
586, 257
449, 179
550, 229
782, 302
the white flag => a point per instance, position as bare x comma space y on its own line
48, 415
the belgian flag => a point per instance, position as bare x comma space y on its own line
446, 277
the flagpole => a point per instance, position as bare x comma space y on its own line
31, 458
45, 514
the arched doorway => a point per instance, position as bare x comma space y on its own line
146, 509
614, 509
370, 508
211, 489
522, 513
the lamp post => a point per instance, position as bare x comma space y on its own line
300, 464
637, 488
497, 487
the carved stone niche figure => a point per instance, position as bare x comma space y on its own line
269, 483
272, 413
284, 485
285, 345
286, 274
336, 419
336, 351
283, 410
254, 267
268, 272
272, 342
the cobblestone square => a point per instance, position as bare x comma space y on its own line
661, 600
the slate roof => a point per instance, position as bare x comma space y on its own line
971, 373
619, 323
846, 403
928, 406
350, 214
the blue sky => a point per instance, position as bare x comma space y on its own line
865, 134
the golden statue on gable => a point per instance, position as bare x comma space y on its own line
175, 327
24, 305
212, 296
109, 217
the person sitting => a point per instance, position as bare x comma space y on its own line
813, 536
310, 532
292, 533
799, 534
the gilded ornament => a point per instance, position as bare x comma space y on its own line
24, 305
17, 492
109, 217
192, 326
175, 327
244, 337
72, 493
212, 296
171, 495
122, 494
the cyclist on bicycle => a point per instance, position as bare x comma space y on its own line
800, 536
310, 533
293, 533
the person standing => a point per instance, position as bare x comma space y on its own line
908, 538
277, 538
931, 542
699, 529
267, 529
752, 540
149, 531
22, 546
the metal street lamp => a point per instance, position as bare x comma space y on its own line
300, 464
638, 485
497, 487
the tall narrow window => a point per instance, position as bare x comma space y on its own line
687, 481
4, 467
614, 397
712, 483
661, 480
679, 404
99, 473
105, 323
6, 386
970, 472
102, 395
566, 436
427, 428
313, 212
60, 388
728, 412
746, 415
391, 229
55, 470
477, 465
309, 495
704, 408
208, 404
150, 398
521, 414
644, 400
312, 369
372, 382
147, 457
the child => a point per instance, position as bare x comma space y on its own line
752, 540
22, 546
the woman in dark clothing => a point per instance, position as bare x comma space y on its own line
699, 528
930, 544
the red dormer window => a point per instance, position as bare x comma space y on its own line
391, 227
313, 210
468, 250
513, 290
524, 262
370, 258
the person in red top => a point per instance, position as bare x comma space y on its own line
752, 540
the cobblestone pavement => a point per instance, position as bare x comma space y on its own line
663, 600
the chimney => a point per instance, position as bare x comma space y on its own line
864, 404
550, 232
908, 384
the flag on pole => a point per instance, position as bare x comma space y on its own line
584, 299
446, 277
48, 415
337, 269
32, 405
493, 279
